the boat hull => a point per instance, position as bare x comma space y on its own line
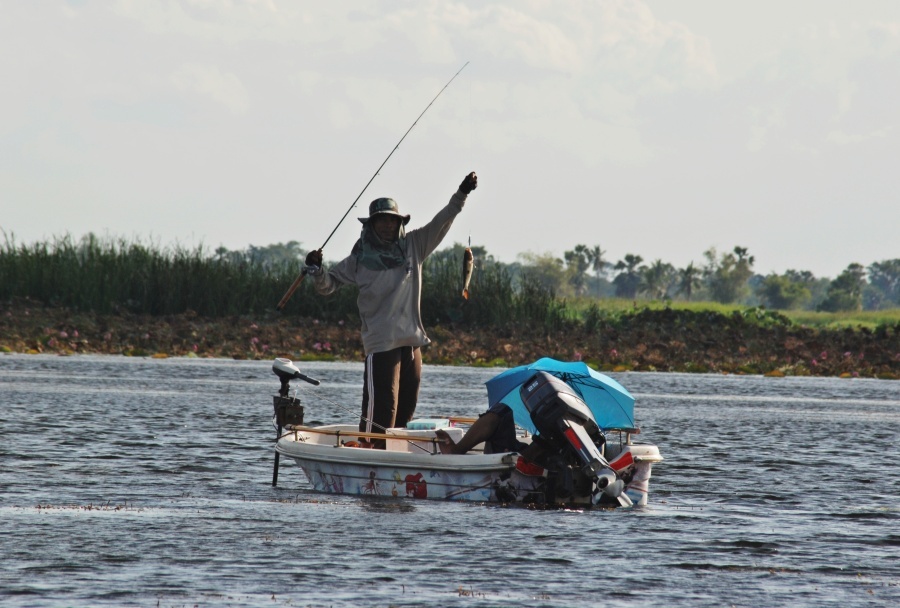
418, 470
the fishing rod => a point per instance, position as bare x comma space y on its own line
299, 279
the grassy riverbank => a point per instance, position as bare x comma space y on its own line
752, 341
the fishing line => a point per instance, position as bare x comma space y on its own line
471, 122
470, 151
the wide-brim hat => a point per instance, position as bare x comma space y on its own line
385, 206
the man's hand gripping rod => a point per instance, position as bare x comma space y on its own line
303, 272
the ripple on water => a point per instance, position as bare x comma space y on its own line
137, 481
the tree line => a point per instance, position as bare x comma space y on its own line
728, 278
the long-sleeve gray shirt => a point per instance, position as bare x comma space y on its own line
390, 300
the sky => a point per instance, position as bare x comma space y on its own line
654, 127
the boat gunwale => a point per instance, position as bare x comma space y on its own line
291, 446
342, 455
327, 429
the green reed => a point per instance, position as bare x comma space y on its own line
497, 299
118, 276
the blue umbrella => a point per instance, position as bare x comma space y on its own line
609, 401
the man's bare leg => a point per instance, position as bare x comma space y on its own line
481, 430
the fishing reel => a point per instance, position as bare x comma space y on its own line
288, 411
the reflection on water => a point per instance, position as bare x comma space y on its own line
136, 481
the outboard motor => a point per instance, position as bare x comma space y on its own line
288, 411
564, 420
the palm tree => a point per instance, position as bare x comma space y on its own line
629, 279
727, 276
598, 264
655, 279
578, 262
688, 279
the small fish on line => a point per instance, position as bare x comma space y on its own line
468, 268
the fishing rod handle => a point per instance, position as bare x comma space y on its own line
290, 292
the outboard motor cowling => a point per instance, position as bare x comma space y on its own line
563, 418
548, 399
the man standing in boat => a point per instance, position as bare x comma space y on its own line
386, 265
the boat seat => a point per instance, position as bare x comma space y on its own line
404, 445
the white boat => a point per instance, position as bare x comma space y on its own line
614, 473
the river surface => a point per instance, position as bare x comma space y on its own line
144, 482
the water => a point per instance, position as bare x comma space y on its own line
141, 482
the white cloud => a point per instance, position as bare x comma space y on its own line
843, 138
831, 86
224, 88
510, 34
